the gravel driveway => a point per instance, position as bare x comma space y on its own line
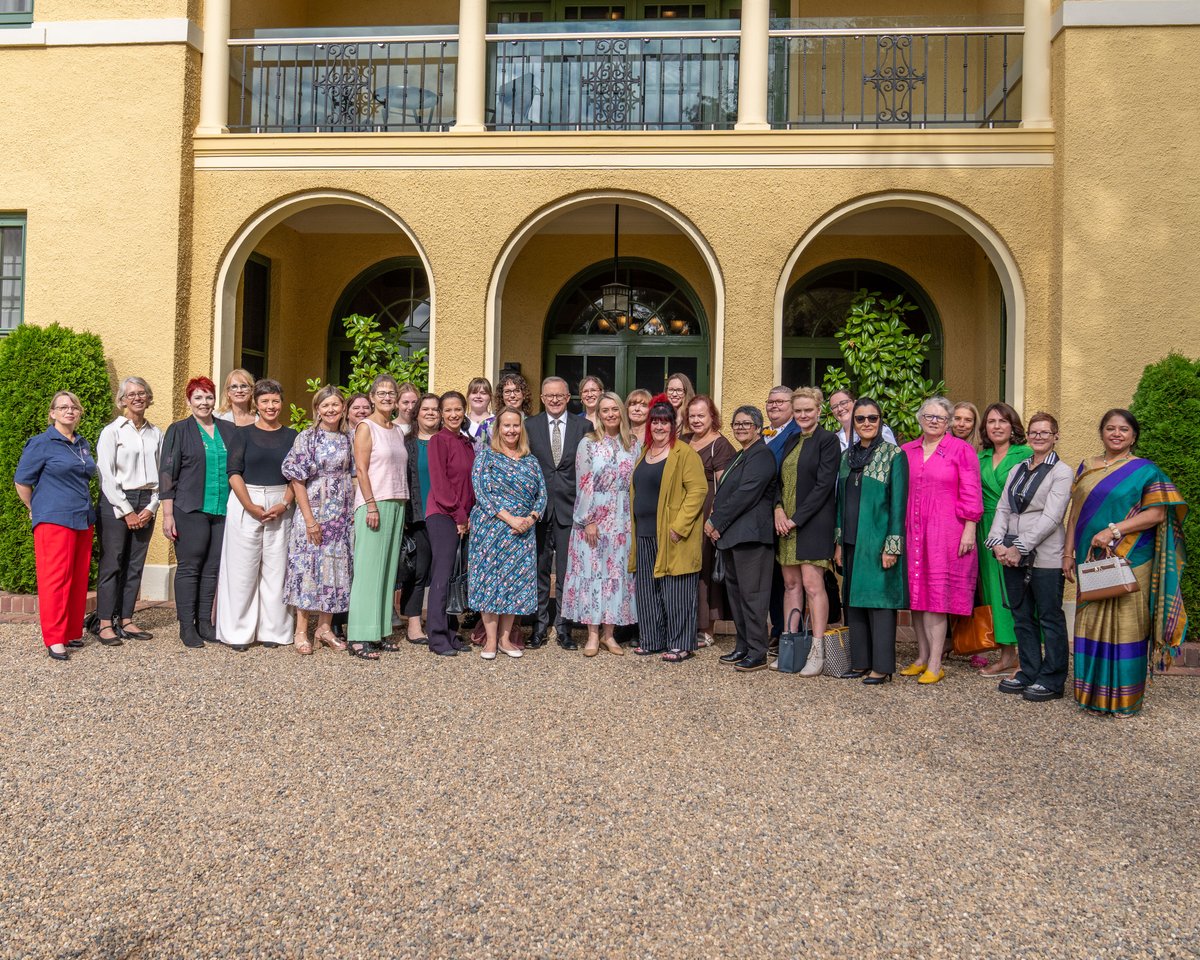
161, 802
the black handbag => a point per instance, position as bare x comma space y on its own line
456, 596
718, 566
406, 569
795, 645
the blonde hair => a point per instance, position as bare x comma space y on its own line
599, 433
808, 393
54, 399
497, 444
973, 437
226, 406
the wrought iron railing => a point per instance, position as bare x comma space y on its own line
343, 84
879, 78
625, 79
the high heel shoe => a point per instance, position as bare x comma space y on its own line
875, 681
329, 638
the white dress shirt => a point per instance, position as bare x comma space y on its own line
127, 459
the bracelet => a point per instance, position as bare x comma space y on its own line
1116, 531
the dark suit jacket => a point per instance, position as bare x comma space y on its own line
560, 479
181, 466
416, 496
744, 508
815, 515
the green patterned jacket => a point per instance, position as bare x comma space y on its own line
882, 506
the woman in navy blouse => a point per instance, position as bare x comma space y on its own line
52, 481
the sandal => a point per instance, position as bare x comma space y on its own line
387, 646
643, 652
302, 644
329, 638
979, 661
363, 651
677, 656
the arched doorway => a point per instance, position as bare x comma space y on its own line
662, 330
816, 306
394, 291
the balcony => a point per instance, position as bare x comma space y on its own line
648, 75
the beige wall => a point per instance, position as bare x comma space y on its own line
112, 9
1129, 182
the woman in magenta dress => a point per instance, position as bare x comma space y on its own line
945, 502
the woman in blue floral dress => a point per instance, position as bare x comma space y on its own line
319, 553
510, 496
599, 589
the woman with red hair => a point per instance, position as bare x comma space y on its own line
193, 490
667, 494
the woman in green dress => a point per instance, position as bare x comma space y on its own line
1004, 447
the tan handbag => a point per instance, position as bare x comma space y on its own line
974, 634
1106, 577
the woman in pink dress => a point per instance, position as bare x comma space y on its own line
945, 502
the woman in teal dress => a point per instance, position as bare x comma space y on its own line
1003, 448
1125, 504
510, 496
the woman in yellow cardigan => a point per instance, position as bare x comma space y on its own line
667, 492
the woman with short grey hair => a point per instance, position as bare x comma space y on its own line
127, 455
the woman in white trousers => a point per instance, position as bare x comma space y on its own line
250, 604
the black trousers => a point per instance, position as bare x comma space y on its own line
198, 561
776, 601
1040, 625
552, 543
412, 592
442, 532
122, 558
872, 631
748, 590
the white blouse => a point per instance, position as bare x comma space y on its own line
127, 459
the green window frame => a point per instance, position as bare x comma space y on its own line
256, 315
806, 358
12, 271
16, 13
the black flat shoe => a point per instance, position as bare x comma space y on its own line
568, 643
448, 652
751, 664
75, 644
113, 641
124, 631
420, 641
852, 675
537, 641
57, 656
190, 637
208, 633
268, 645
732, 658
876, 681
236, 647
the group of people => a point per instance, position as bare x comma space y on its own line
655, 526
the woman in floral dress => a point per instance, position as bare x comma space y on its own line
599, 589
318, 565
510, 497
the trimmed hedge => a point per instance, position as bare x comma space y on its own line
35, 363
1167, 405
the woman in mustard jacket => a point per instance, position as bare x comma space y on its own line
667, 492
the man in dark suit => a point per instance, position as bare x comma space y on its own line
554, 436
742, 527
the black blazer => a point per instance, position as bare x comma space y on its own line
560, 479
416, 496
744, 508
182, 465
816, 492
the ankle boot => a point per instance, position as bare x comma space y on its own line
816, 659
189, 636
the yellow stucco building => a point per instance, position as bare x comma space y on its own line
215, 183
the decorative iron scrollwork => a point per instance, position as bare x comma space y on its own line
346, 84
614, 85
894, 80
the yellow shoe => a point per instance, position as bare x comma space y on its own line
928, 677
913, 670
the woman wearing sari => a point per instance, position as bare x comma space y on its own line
1126, 504
1004, 448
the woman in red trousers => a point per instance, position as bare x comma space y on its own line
52, 481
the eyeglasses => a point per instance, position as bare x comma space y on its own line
140, 395
842, 405
778, 403
743, 425
1039, 435
554, 396
933, 418
61, 408
675, 392
385, 394
866, 418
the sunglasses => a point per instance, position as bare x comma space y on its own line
866, 418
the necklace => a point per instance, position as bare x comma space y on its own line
654, 456
1108, 463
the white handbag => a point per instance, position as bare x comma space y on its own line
1109, 576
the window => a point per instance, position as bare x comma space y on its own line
12, 271
817, 304
16, 13
256, 314
595, 12
393, 291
